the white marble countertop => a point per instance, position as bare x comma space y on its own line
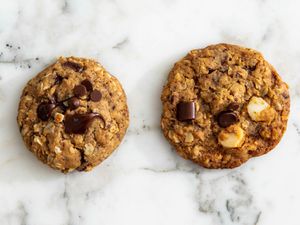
144, 181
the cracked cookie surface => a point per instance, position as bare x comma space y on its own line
223, 105
73, 114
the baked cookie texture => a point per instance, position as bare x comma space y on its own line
73, 114
223, 105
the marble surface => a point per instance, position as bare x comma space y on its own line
144, 181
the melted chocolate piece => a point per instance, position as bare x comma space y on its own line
76, 123
79, 123
79, 90
73, 103
44, 110
227, 118
96, 96
74, 66
58, 79
186, 111
63, 106
88, 85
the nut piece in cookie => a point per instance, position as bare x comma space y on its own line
259, 110
231, 137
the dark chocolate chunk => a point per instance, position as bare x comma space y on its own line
62, 106
73, 103
88, 85
58, 79
233, 106
186, 111
80, 90
227, 118
96, 96
44, 110
79, 123
74, 66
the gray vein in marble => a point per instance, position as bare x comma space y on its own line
20, 214
219, 214
238, 202
146, 127
23, 214
66, 197
257, 218
138, 131
160, 170
238, 206
121, 44
297, 128
65, 6
179, 167
22, 63
268, 32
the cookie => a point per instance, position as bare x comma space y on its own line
73, 114
223, 105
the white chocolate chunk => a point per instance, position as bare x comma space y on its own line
36, 139
189, 138
57, 150
88, 149
256, 109
232, 137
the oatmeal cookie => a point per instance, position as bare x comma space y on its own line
223, 105
73, 114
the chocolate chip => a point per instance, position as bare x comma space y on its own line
73, 103
227, 118
96, 96
80, 90
186, 111
62, 106
251, 68
79, 123
285, 95
210, 71
58, 79
44, 110
74, 66
233, 106
88, 85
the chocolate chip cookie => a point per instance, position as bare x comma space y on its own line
223, 105
73, 114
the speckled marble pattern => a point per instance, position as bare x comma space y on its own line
144, 181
